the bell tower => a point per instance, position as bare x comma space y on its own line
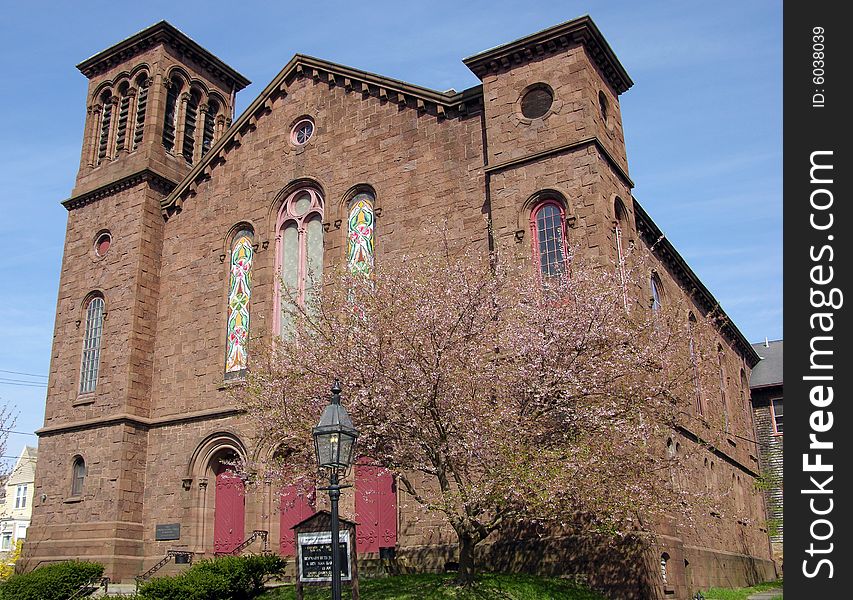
156, 103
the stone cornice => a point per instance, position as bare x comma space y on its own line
161, 33
575, 32
442, 105
690, 282
137, 421
159, 182
508, 164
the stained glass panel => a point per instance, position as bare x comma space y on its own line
361, 238
239, 292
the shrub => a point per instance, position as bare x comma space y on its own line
50, 582
226, 578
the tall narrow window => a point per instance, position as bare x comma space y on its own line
190, 122
721, 364
300, 253
170, 114
141, 107
694, 359
209, 126
361, 234
655, 285
776, 412
619, 234
123, 116
92, 345
549, 246
78, 475
21, 496
239, 293
744, 393
106, 118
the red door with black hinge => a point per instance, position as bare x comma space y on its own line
229, 510
375, 508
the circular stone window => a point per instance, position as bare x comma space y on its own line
302, 131
103, 243
537, 102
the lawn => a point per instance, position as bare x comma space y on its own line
438, 587
743, 593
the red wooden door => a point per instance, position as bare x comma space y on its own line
293, 508
375, 508
229, 510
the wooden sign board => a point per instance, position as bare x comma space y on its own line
314, 556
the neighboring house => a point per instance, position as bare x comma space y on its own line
17, 505
765, 385
182, 223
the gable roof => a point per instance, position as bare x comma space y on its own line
768, 371
448, 104
577, 31
161, 33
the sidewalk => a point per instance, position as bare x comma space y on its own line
766, 595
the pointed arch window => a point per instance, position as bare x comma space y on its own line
361, 233
78, 476
239, 294
299, 254
721, 364
92, 345
548, 224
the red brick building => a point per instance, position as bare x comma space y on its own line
152, 321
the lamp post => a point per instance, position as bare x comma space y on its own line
334, 444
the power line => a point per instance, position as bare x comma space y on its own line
27, 384
22, 373
17, 432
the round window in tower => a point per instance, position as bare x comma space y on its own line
302, 131
103, 241
537, 101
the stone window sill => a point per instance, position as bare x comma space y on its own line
73, 499
84, 399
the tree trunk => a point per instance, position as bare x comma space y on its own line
465, 576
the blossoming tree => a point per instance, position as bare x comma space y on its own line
495, 397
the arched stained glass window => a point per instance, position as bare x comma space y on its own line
92, 345
361, 234
619, 234
549, 246
239, 293
299, 254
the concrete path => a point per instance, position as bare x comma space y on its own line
766, 595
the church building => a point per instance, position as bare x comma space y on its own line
184, 218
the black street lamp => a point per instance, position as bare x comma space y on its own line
334, 444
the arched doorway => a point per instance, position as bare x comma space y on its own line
229, 521
375, 508
294, 506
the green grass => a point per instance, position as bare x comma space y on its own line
439, 587
743, 593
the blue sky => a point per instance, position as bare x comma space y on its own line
703, 124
